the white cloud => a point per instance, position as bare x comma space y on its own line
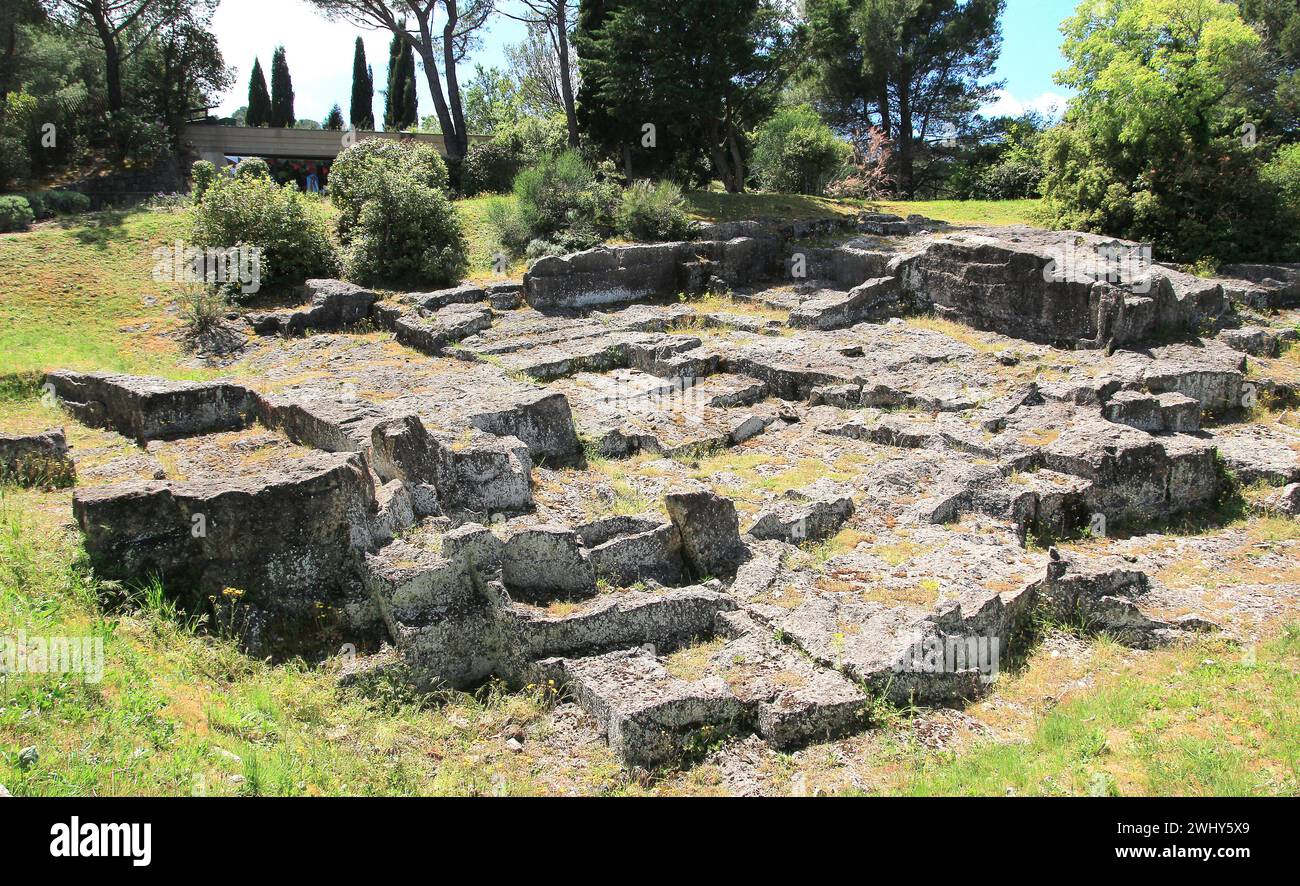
1007, 105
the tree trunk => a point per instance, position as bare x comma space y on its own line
738, 161
112, 59
566, 83
458, 144
906, 182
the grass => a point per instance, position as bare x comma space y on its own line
715, 206
79, 294
1207, 719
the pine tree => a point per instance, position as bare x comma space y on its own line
334, 121
281, 91
259, 100
362, 111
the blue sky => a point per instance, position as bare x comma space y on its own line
320, 53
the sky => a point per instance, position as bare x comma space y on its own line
319, 52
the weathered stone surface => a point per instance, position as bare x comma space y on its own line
280, 541
645, 713
1255, 452
1101, 595
37, 459
331, 304
794, 701
710, 531
809, 515
1258, 340
1287, 501
484, 474
875, 299
606, 275
152, 408
663, 620
1155, 413
654, 554
434, 333
546, 563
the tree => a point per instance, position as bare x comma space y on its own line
1152, 146
546, 55
122, 27
1279, 24
917, 69
413, 21
361, 112
400, 99
665, 85
281, 91
491, 100
181, 66
259, 100
334, 120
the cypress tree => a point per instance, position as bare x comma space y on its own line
395, 86
281, 91
259, 100
362, 112
400, 99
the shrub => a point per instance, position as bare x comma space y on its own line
1282, 173
489, 167
40, 209
255, 211
15, 214
355, 175
203, 174
67, 202
406, 232
252, 167
654, 212
795, 152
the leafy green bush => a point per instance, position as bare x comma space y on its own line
355, 175
254, 211
796, 153
653, 211
489, 166
1283, 174
203, 174
40, 209
67, 202
252, 167
407, 232
562, 200
15, 214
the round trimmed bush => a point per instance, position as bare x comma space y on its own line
406, 233
489, 167
252, 167
15, 214
253, 210
796, 153
355, 175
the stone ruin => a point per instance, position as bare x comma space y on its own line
546, 480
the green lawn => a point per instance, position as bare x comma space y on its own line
78, 293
